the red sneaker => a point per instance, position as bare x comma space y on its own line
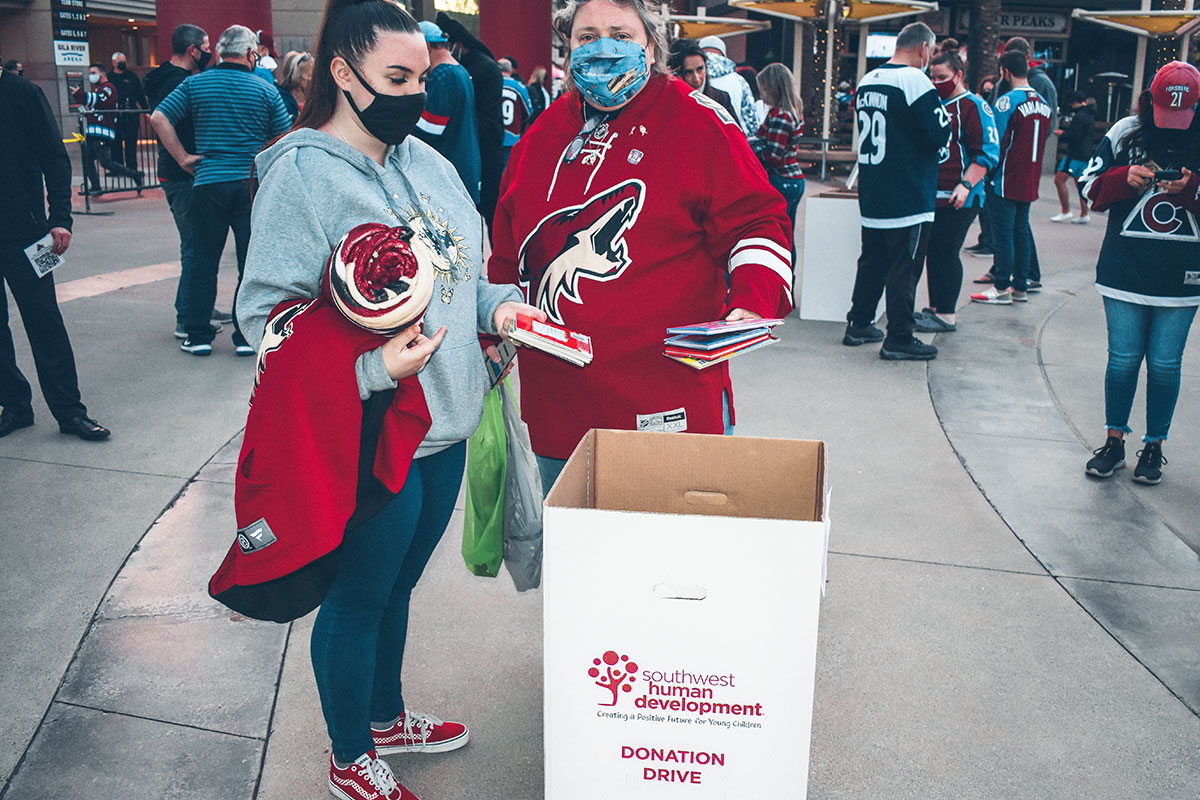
419, 733
368, 778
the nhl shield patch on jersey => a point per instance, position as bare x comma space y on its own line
255, 537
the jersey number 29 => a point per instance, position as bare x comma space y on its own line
873, 127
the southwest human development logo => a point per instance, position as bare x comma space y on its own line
613, 672
701, 697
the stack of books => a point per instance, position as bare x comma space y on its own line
707, 343
550, 338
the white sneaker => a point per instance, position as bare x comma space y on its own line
993, 296
1083, 220
1066, 216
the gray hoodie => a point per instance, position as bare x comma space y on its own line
313, 189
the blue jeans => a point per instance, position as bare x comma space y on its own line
179, 199
792, 190
359, 634
550, 468
1158, 334
1011, 240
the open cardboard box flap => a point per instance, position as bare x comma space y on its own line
671, 473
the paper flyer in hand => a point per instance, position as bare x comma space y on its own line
42, 258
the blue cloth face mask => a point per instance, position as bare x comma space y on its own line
609, 72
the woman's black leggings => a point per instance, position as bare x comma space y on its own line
944, 272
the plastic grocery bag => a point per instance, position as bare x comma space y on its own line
522, 501
483, 523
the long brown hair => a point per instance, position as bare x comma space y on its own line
777, 88
349, 29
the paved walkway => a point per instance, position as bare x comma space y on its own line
997, 625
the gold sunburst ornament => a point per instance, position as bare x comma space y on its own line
450, 253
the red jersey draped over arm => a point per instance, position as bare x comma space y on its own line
664, 217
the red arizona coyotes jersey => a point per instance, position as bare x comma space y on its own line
298, 470
1023, 119
657, 217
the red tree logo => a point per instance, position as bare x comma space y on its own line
613, 672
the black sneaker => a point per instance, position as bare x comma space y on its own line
983, 252
929, 322
1033, 286
222, 316
196, 348
912, 350
1150, 464
973, 248
861, 334
1107, 459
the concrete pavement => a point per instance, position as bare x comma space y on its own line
997, 625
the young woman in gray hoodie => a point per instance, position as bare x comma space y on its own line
350, 161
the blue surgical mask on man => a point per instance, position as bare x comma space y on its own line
609, 72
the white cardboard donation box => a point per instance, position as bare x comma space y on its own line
682, 580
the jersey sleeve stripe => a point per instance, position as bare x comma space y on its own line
763, 258
431, 123
759, 241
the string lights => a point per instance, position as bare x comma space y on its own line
1164, 48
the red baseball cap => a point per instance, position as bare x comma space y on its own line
1176, 90
265, 39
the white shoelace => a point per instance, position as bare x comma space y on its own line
379, 774
426, 723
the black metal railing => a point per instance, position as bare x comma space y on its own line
127, 163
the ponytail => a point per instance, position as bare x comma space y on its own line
949, 56
350, 29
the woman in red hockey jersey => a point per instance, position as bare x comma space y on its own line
633, 205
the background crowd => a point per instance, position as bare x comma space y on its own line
581, 189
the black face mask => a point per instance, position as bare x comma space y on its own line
203, 60
120, 66
391, 117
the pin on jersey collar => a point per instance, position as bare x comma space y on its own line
595, 125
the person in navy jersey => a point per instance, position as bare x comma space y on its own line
448, 122
1149, 267
973, 150
901, 128
1024, 119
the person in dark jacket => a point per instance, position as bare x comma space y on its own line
1147, 272
688, 62
35, 170
130, 98
539, 97
190, 53
1080, 138
488, 80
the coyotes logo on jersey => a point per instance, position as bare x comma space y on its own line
1157, 217
279, 328
581, 242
